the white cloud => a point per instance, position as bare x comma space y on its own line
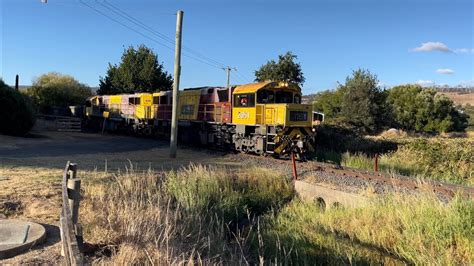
433, 46
464, 51
445, 71
425, 83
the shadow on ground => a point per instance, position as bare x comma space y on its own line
102, 152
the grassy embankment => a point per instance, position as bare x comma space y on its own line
444, 159
203, 215
441, 158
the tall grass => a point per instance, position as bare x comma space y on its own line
229, 195
202, 215
392, 230
190, 216
450, 160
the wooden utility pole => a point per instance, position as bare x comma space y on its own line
177, 73
228, 69
17, 83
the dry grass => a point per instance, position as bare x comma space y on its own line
203, 215
33, 194
208, 215
438, 158
460, 98
188, 216
394, 230
36, 191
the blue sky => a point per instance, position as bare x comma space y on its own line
404, 41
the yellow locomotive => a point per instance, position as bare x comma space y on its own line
262, 118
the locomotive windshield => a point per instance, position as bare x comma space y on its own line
265, 96
283, 97
297, 98
269, 96
244, 100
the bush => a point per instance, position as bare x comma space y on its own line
17, 115
418, 109
56, 90
332, 141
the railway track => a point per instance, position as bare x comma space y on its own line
356, 180
395, 182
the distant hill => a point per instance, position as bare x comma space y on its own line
460, 98
308, 99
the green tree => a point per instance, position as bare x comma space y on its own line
363, 102
405, 105
57, 90
285, 70
18, 116
418, 109
138, 71
329, 102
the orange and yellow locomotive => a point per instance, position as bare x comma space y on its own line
262, 118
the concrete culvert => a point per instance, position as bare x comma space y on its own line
320, 203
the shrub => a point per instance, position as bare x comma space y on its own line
56, 90
418, 109
336, 140
17, 115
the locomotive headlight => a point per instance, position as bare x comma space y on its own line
313, 129
300, 144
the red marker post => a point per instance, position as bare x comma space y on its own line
293, 161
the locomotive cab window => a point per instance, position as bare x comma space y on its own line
134, 100
283, 97
265, 96
297, 99
244, 100
156, 100
163, 100
223, 95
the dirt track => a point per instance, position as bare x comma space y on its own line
95, 151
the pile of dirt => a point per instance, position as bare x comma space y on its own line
393, 133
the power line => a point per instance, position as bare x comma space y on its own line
124, 25
198, 57
245, 78
142, 25
142, 34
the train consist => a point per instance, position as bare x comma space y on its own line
261, 118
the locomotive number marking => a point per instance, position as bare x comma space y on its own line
243, 115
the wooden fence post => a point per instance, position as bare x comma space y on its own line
71, 231
74, 195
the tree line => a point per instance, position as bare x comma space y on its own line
362, 104
359, 103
